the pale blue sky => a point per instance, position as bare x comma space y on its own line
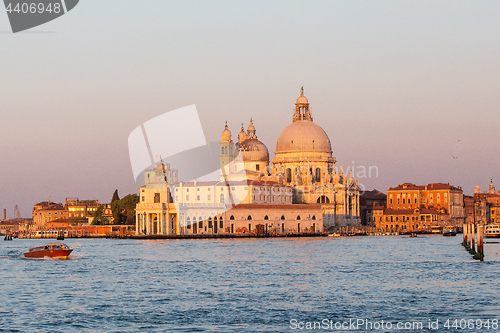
395, 84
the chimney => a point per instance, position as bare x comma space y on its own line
4, 214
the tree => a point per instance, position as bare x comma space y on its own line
124, 209
115, 196
98, 220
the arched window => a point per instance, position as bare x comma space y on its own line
200, 222
188, 222
225, 150
222, 150
318, 175
221, 223
298, 217
232, 217
314, 218
249, 217
288, 175
323, 199
266, 217
282, 217
210, 225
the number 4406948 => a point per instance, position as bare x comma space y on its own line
34, 8
471, 324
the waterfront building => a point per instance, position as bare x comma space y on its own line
483, 208
9, 226
75, 210
82, 209
47, 211
369, 200
411, 207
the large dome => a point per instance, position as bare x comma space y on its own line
254, 150
303, 136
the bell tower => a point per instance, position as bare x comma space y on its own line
226, 152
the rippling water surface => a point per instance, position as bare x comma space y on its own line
245, 285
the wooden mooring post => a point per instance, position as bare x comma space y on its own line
469, 241
472, 237
480, 243
465, 230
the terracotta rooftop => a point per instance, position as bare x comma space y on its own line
432, 186
52, 207
407, 186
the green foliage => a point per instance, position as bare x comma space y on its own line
124, 209
98, 215
115, 196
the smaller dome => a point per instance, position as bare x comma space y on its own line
254, 150
242, 136
302, 100
226, 134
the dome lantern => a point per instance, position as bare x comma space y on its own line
303, 134
302, 111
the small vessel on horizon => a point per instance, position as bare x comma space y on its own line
449, 231
51, 250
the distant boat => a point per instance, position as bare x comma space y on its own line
492, 231
51, 250
449, 231
334, 235
413, 234
435, 229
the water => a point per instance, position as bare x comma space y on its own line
246, 285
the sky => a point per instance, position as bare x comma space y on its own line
408, 87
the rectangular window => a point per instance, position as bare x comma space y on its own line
143, 198
209, 197
157, 198
257, 167
198, 197
187, 197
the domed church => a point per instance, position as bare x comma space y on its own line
303, 160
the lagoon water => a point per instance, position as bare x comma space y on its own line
248, 285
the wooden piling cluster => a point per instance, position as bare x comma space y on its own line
469, 241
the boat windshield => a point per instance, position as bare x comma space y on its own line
39, 248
